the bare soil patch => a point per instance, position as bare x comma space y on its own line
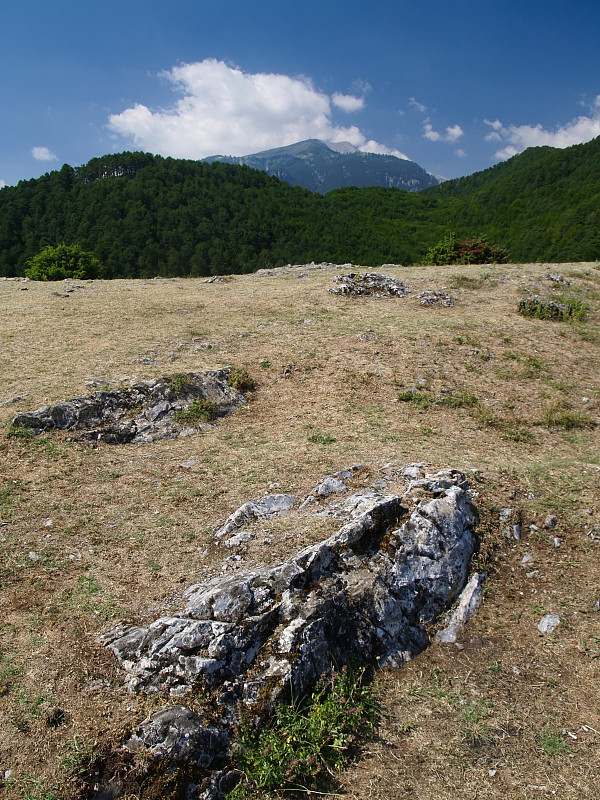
93, 534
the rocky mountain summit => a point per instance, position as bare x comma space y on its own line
321, 167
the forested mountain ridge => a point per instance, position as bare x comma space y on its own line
144, 215
321, 168
543, 204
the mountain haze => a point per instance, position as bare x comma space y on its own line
321, 167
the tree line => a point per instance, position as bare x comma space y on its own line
143, 215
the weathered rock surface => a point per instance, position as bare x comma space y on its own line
142, 413
434, 298
363, 596
369, 283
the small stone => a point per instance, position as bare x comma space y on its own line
526, 560
517, 533
550, 522
505, 514
548, 623
188, 464
33, 556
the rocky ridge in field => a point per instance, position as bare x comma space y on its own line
362, 597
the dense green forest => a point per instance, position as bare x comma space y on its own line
143, 215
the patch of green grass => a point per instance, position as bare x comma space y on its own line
32, 789
560, 308
472, 718
78, 757
523, 435
305, 741
19, 432
559, 416
460, 398
466, 282
551, 742
321, 438
200, 410
418, 397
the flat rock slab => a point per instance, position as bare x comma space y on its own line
145, 412
363, 596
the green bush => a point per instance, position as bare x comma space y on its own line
63, 261
476, 250
240, 379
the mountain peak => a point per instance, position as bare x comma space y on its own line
322, 166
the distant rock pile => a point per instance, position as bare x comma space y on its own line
145, 412
363, 596
369, 283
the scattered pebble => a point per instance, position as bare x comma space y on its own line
548, 623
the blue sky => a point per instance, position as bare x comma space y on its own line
455, 85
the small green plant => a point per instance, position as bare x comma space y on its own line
321, 438
179, 384
418, 397
19, 432
200, 410
265, 364
63, 261
303, 741
561, 309
461, 398
241, 380
551, 742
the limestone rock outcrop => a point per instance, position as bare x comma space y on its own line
363, 596
147, 411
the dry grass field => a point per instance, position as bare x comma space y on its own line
95, 534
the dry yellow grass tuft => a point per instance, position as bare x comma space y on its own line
95, 534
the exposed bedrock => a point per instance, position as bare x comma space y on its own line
364, 596
147, 411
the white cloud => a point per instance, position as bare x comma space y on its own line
452, 134
380, 149
460, 153
347, 102
43, 154
419, 106
2, 183
224, 110
517, 138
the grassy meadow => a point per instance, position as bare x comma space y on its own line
96, 534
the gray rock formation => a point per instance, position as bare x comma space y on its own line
147, 411
369, 283
364, 596
434, 298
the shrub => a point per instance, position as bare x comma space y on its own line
241, 380
476, 250
63, 261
